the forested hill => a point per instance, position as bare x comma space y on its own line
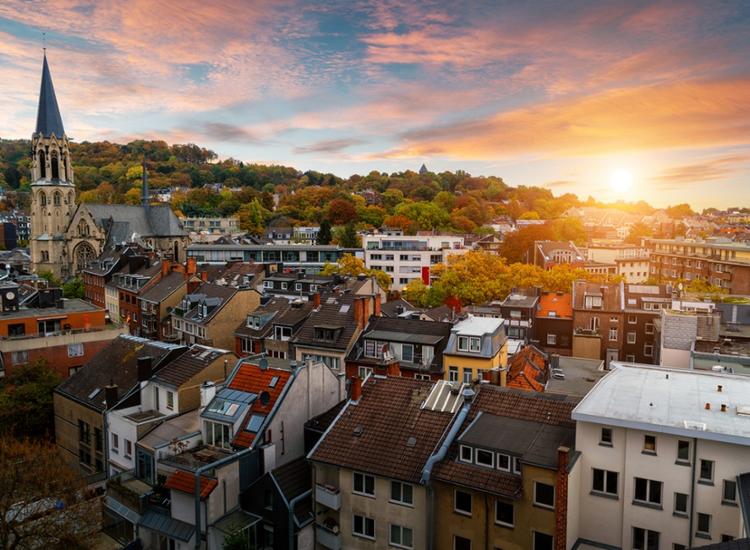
111, 173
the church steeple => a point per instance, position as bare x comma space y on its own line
48, 119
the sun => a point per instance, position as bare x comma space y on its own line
621, 181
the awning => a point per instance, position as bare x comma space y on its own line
121, 510
167, 525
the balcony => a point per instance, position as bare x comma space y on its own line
328, 496
129, 491
586, 332
328, 537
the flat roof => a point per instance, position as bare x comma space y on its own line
70, 305
580, 376
477, 326
672, 401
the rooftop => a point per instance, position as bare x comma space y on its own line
477, 326
555, 305
70, 305
576, 377
191, 363
671, 401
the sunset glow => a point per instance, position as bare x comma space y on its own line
621, 181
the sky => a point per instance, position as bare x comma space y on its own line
625, 100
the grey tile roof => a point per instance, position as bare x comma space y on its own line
334, 312
123, 221
163, 523
165, 287
189, 364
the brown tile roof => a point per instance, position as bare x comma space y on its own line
191, 363
528, 370
386, 432
185, 482
335, 311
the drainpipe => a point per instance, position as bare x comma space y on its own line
692, 492
292, 504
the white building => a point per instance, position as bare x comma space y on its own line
662, 451
407, 257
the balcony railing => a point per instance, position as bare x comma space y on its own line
586, 332
328, 496
328, 538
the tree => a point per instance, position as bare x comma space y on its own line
50, 278
73, 288
518, 243
679, 211
253, 217
346, 237
341, 211
237, 541
351, 266
42, 500
26, 401
638, 231
324, 233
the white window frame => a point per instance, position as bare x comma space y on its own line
469, 450
170, 400
542, 504
452, 374
364, 478
399, 499
490, 453
399, 543
631, 338
502, 523
363, 534
551, 339
502, 457
605, 478
471, 503
76, 350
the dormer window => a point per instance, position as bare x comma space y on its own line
484, 458
267, 284
593, 302
466, 454
298, 286
325, 333
253, 321
472, 344
283, 286
503, 462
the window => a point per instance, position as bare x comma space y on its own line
503, 462
402, 493
630, 358
364, 484
707, 471
544, 495
17, 329
170, 400
606, 437
729, 492
364, 372
462, 502
452, 374
649, 328
461, 543
704, 525
647, 491
604, 482
593, 302
551, 339
683, 451
467, 454
517, 466
485, 458
631, 337
284, 286
504, 513
632, 319
407, 353
128, 448
19, 357
613, 335
218, 435
649, 444
680, 504
613, 320
648, 350
363, 527
643, 539
469, 343
467, 375
543, 541
401, 537
115, 443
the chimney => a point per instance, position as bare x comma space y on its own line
355, 388
191, 266
358, 313
708, 406
208, 391
393, 369
110, 395
204, 276
316, 300
166, 265
719, 388
144, 368
378, 305
723, 407
561, 499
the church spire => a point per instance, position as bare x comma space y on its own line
48, 119
145, 195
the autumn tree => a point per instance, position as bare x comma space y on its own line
638, 231
351, 266
42, 499
341, 212
253, 217
346, 237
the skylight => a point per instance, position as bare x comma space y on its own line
273, 382
255, 422
93, 393
220, 406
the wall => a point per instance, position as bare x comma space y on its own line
588, 347
67, 414
221, 327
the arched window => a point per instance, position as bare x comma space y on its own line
45, 256
55, 166
42, 164
84, 254
42, 198
83, 229
57, 198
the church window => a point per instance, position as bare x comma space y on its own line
57, 198
42, 165
42, 198
84, 255
45, 256
83, 229
55, 167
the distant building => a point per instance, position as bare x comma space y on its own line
547, 254
519, 311
211, 225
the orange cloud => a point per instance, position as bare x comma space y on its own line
712, 169
684, 115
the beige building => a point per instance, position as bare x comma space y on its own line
65, 236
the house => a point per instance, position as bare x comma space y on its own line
554, 323
129, 286
476, 345
108, 380
41, 325
528, 370
367, 469
664, 458
405, 347
157, 302
298, 285
271, 327
173, 390
504, 481
100, 271
519, 309
330, 331
547, 254
209, 314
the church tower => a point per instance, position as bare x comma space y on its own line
53, 195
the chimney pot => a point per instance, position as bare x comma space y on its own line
708, 406
110, 395
316, 300
719, 388
723, 407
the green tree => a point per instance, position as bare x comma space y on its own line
351, 266
26, 401
347, 237
324, 233
50, 278
253, 217
73, 288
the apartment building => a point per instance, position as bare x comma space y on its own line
100, 271
616, 322
476, 345
408, 257
725, 264
157, 302
519, 311
664, 459
130, 285
211, 225
368, 467
554, 323
271, 327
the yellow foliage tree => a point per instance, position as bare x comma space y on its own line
351, 266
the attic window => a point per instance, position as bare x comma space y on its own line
273, 382
552, 314
325, 333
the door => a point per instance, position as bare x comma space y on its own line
612, 355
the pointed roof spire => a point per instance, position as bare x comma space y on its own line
48, 119
145, 195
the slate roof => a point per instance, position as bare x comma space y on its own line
164, 288
528, 370
334, 311
122, 221
215, 296
321, 422
391, 308
117, 364
185, 482
293, 479
511, 404
190, 364
278, 311
736, 544
387, 432
251, 378
48, 119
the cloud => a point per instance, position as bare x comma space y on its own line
710, 170
329, 146
226, 132
558, 183
683, 115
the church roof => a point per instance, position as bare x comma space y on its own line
48, 119
128, 220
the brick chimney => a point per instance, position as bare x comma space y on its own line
561, 499
358, 317
204, 276
316, 300
110, 395
378, 306
144, 368
393, 369
166, 266
192, 266
355, 388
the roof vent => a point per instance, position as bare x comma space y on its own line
358, 431
263, 363
411, 442
265, 398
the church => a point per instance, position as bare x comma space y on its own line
66, 236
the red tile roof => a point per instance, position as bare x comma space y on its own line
561, 304
528, 370
185, 482
251, 378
